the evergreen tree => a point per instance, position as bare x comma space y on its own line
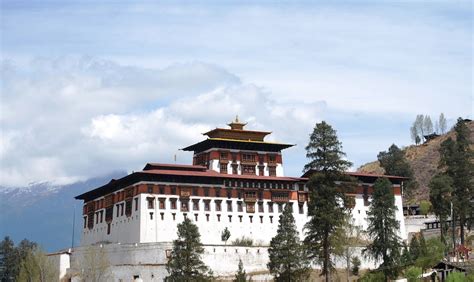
383, 228
185, 263
326, 214
394, 162
414, 248
457, 158
240, 276
225, 235
432, 251
440, 195
8, 260
288, 260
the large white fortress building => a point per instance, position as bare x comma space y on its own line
236, 181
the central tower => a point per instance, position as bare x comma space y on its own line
238, 151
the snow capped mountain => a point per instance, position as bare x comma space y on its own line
43, 212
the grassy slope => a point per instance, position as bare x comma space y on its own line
424, 161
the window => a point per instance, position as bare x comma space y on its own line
162, 215
195, 191
150, 188
173, 204
206, 192
173, 190
250, 195
251, 207
280, 207
151, 216
109, 213
240, 206
251, 218
218, 205
128, 207
218, 192
207, 205
261, 219
240, 218
162, 189
117, 206
151, 203
195, 204
271, 219
229, 206
196, 217
234, 168
85, 221
248, 169
207, 217
229, 193
174, 216
121, 208
162, 203
271, 159
249, 158
270, 207
230, 218
136, 203
101, 216
184, 205
223, 168
272, 171
260, 206
261, 170
108, 228
219, 218
223, 155
300, 206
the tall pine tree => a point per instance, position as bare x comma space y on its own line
383, 227
457, 158
288, 260
440, 196
185, 263
325, 211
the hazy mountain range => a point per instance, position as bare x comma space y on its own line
43, 213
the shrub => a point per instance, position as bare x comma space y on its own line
412, 273
243, 241
355, 265
456, 277
373, 277
425, 207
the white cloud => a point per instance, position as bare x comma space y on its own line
74, 118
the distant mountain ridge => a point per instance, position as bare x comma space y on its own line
43, 212
424, 160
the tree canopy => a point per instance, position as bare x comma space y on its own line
288, 260
185, 263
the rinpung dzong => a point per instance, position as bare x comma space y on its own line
236, 181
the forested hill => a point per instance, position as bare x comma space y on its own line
424, 160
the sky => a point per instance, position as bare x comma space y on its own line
90, 87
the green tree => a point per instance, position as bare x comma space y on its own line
406, 258
457, 158
375, 276
413, 274
383, 228
288, 260
355, 261
425, 207
415, 248
394, 162
9, 260
240, 276
432, 252
326, 214
441, 188
36, 266
185, 263
225, 235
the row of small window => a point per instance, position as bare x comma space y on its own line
218, 217
247, 169
184, 205
248, 157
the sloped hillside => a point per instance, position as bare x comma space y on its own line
424, 161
